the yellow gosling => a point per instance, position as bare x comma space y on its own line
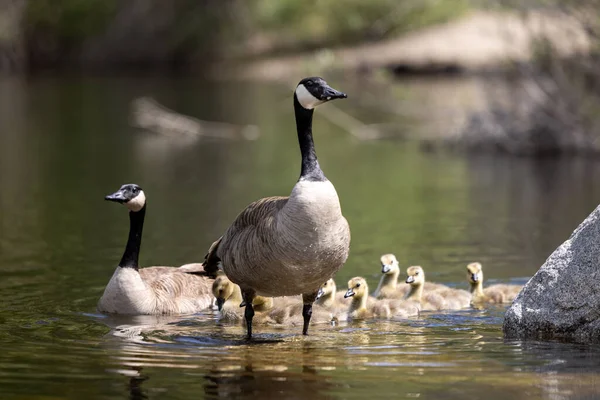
229, 299
428, 301
495, 294
454, 299
364, 307
388, 284
329, 298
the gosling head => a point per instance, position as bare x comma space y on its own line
356, 287
389, 264
326, 288
474, 273
131, 195
415, 275
314, 91
222, 289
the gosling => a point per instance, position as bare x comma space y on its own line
365, 307
428, 301
454, 299
495, 294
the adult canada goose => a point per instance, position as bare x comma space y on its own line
363, 306
152, 290
284, 246
495, 294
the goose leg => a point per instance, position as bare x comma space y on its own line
248, 296
308, 300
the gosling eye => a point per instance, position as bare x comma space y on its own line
358, 285
417, 273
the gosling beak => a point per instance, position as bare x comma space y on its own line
349, 293
220, 302
474, 277
320, 294
330, 93
410, 279
117, 197
385, 268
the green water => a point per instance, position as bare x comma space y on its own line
66, 143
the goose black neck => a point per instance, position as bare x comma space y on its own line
311, 171
132, 250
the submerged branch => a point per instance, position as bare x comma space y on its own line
148, 114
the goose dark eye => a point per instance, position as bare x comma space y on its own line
309, 83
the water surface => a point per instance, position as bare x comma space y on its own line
66, 143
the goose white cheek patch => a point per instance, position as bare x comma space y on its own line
137, 203
306, 99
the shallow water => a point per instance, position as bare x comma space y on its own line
65, 143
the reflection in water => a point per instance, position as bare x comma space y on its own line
63, 145
135, 386
255, 377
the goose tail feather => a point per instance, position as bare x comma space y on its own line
211, 260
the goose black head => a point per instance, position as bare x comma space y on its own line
131, 195
314, 91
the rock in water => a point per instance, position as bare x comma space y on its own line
562, 300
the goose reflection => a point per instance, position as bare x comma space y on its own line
253, 375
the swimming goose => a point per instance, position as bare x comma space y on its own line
430, 300
151, 290
388, 287
495, 294
388, 284
363, 306
454, 298
284, 246
329, 298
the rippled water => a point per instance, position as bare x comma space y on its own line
65, 143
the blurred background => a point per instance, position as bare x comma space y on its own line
471, 133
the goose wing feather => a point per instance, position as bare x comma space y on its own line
254, 217
177, 290
252, 227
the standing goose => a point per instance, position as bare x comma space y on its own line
152, 290
284, 246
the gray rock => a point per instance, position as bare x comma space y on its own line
562, 300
